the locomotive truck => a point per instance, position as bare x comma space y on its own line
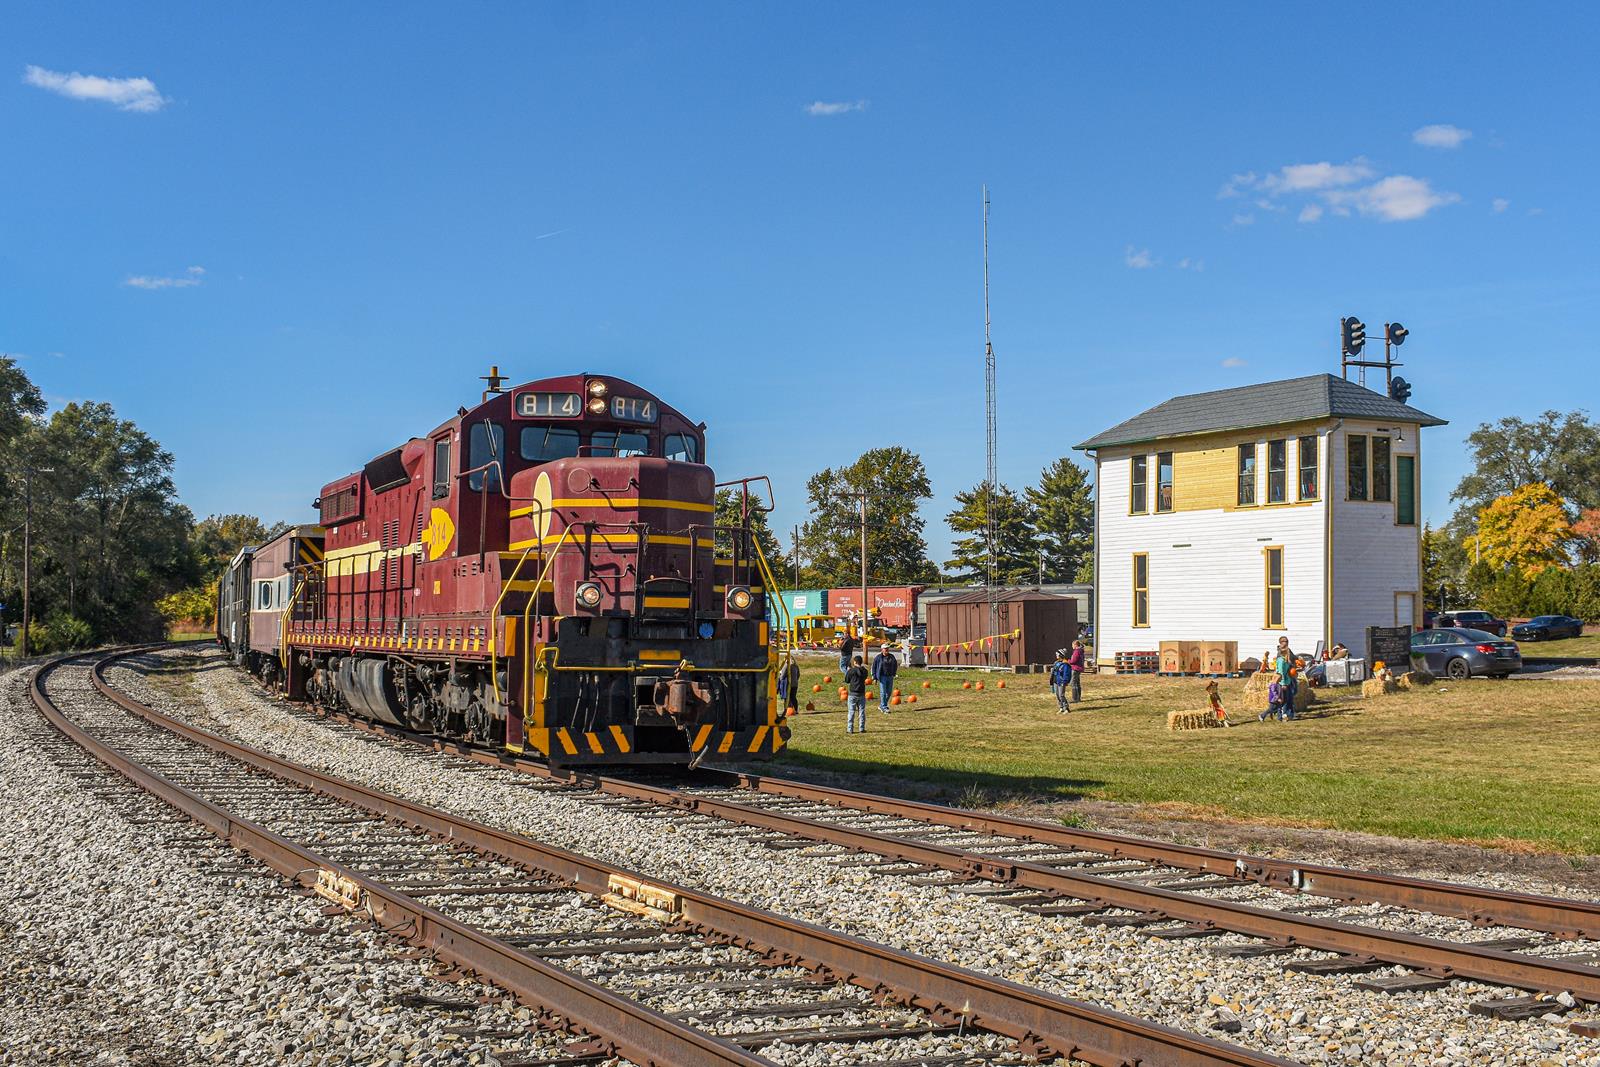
543, 572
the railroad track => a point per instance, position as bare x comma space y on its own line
650, 971
1543, 950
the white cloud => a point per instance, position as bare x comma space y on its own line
1236, 185
1138, 260
1339, 189
1234, 362
187, 280
1441, 135
1500, 204
1186, 263
125, 94
824, 108
1397, 198
1308, 177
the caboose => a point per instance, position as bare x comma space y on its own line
544, 572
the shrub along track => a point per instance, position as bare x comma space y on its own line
481, 900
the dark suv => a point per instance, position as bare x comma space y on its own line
1471, 620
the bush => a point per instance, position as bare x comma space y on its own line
64, 633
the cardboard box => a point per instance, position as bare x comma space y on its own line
1194, 656
1172, 657
1220, 657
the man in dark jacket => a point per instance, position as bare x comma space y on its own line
855, 684
847, 649
884, 667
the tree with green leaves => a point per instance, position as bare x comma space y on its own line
1445, 562
1063, 509
1561, 451
112, 537
1016, 546
216, 539
895, 483
20, 401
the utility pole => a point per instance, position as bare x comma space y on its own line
796, 557
864, 611
27, 552
991, 475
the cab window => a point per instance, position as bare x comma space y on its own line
541, 444
619, 443
441, 468
681, 447
482, 437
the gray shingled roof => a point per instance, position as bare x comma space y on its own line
1316, 396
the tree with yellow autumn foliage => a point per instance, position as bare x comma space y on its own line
1525, 530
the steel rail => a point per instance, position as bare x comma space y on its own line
1431, 956
640, 1034
1482, 906
1042, 1023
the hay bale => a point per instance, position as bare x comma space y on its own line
1415, 679
1379, 686
1255, 693
1192, 720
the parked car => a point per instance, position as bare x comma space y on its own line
1461, 652
1473, 620
1548, 628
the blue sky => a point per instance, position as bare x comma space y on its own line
284, 239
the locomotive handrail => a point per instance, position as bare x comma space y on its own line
505, 587
527, 615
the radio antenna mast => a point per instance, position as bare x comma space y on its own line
991, 471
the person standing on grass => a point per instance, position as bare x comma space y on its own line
884, 667
1060, 678
789, 686
855, 683
847, 649
1076, 661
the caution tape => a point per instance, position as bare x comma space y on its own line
976, 644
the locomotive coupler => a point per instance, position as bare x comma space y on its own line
680, 697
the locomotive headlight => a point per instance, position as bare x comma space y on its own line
589, 594
597, 387
597, 405
740, 598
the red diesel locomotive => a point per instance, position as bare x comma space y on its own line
543, 572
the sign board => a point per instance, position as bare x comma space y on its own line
549, 405
1391, 645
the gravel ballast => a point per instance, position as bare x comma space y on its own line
1312, 1019
128, 935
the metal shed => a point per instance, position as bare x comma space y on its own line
958, 626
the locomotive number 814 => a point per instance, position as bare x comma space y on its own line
543, 572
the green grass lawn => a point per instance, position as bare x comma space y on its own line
1588, 645
192, 637
1502, 763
